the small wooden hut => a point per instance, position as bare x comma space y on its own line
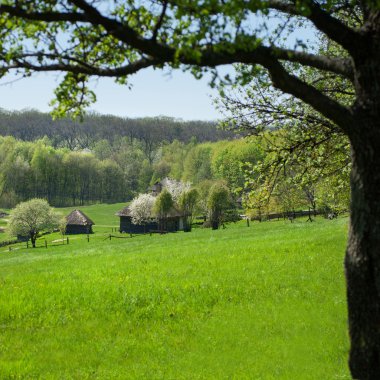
77, 222
173, 222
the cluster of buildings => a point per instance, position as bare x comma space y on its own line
79, 223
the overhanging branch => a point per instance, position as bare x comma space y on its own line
81, 68
292, 85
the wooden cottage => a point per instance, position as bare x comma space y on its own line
78, 222
173, 222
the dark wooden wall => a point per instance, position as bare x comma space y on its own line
72, 229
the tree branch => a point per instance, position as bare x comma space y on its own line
125, 33
71, 17
160, 21
341, 66
79, 68
218, 54
333, 28
328, 107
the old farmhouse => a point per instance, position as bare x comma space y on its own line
78, 222
173, 222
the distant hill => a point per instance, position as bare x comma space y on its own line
30, 125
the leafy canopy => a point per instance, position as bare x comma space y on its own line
85, 39
32, 217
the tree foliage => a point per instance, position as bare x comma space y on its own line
175, 188
188, 204
141, 209
33, 217
217, 203
162, 205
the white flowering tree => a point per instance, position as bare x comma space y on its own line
175, 188
32, 217
141, 209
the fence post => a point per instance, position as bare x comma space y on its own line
88, 238
45, 243
67, 240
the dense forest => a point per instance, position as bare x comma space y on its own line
31, 125
112, 172
109, 159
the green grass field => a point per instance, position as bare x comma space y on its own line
264, 302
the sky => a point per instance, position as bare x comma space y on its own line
153, 93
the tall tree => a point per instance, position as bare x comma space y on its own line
187, 203
217, 203
89, 38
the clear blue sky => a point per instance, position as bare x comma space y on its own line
153, 94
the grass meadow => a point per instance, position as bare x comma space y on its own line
264, 302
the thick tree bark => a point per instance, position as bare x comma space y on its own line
362, 262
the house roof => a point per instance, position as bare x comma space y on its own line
78, 218
124, 212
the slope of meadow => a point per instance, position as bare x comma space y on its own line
264, 302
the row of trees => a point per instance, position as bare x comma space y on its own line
30, 125
223, 160
263, 173
117, 173
61, 176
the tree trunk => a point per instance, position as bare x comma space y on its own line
362, 262
33, 240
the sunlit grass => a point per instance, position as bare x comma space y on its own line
264, 302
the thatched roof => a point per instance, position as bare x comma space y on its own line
78, 218
124, 212
173, 213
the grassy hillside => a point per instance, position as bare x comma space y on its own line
103, 215
264, 302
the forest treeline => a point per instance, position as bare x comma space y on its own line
113, 172
109, 159
31, 125
119, 171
